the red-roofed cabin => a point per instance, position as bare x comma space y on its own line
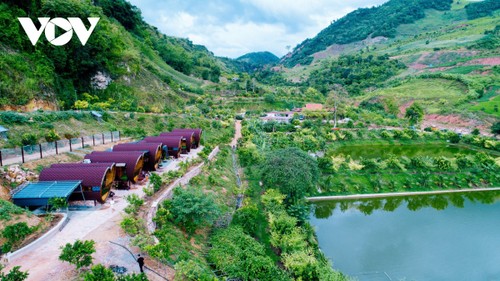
154, 152
134, 161
117, 170
197, 135
187, 142
173, 143
96, 181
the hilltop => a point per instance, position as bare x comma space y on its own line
444, 55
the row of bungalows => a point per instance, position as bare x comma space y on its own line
102, 170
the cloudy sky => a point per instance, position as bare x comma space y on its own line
232, 28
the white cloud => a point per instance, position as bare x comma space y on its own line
234, 28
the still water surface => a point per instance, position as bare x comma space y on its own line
445, 237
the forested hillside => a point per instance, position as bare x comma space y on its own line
362, 23
126, 63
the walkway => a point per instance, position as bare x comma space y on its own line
101, 224
397, 194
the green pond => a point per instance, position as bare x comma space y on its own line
439, 237
409, 150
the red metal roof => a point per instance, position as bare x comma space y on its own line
188, 135
170, 141
82, 165
151, 147
131, 158
90, 176
197, 132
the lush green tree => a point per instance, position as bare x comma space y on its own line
495, 129
99, 273
292, 171
191, 208
414, 113
78, 253
15, 274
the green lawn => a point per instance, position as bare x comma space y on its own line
488, 106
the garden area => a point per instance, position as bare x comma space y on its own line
356, 161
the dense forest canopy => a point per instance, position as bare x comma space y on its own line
116, 47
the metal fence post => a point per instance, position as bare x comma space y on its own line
93, 140
83, 143
1, 161
119, 136
111, 136
57, 152
70, 147
103, 138
40, 146
22, 153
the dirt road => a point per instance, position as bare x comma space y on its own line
237, 133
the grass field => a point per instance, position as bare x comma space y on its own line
491, 106
432, 94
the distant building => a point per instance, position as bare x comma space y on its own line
278, 116
313, 106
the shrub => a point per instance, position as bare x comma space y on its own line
29, 139
191, 208
99, 273
13, 275
131, 225
52, 136
240, 256
78, 253
156, 181
248, 218
191, 270
134, 202
17, 232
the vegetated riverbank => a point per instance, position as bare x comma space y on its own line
396, 194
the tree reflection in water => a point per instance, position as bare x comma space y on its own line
325, 209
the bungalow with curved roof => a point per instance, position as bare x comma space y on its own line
96, 181
173, 143
187, 142
134, 161
154, 152
197, 135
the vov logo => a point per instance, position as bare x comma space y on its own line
49, 26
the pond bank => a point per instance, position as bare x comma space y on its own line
396, 194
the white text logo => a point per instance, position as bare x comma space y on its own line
49, 25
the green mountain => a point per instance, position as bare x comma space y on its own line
259, 59
384, 22
126, 63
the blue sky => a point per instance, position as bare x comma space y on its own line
232, 28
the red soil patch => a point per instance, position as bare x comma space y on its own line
402, 108
454, 122
485, 61
418, 66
